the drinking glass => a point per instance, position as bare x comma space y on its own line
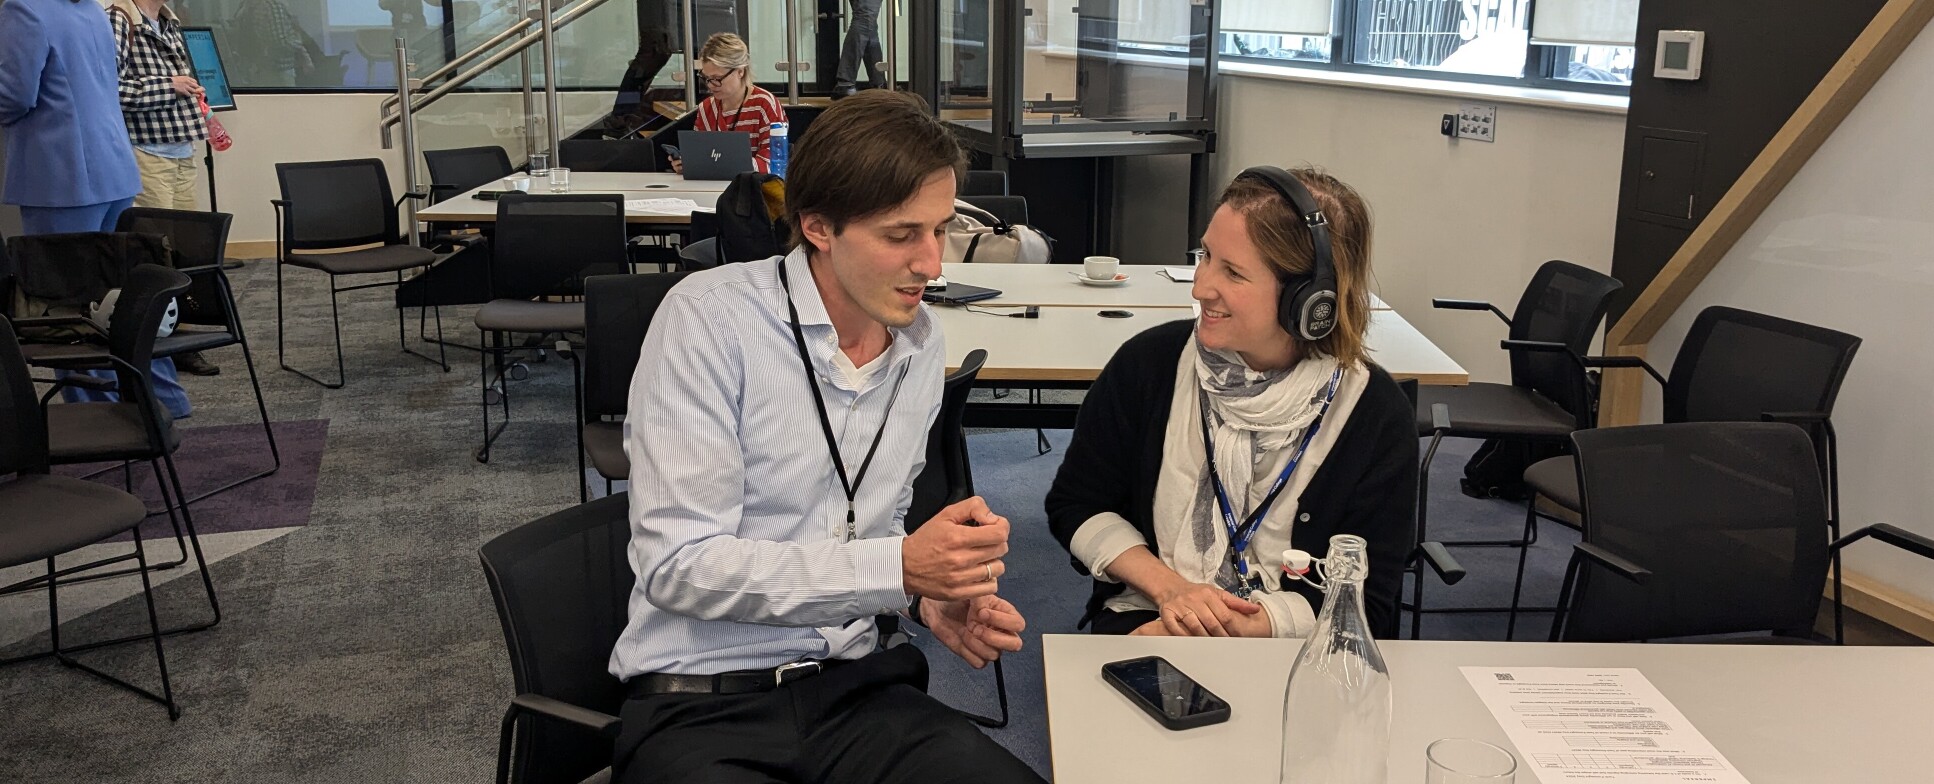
540, 163
1468, 761
560, 180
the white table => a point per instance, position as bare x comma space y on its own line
1072, 344
1782, 715
1053, 285
632, 185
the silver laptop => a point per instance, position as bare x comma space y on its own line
715, 155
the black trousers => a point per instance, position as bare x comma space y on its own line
1121, 622
868, 722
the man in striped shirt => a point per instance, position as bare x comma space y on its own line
733, 102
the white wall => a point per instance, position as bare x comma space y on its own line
1456, 219
1850, 245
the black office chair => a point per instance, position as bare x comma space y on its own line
1011, 210
133, 428
1700, 529
561, 584
948, 478
618, 310
1425, 553
454, 171
545, 246
1734, 366
984, 183
42, 516
606, 155
333, 205
799, 119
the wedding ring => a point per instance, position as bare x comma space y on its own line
990, 572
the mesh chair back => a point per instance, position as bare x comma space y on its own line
1012, 210
948, 477
23, 432
1736, 364
459, 170
336, 204
199, 239
984, 183
799, 120
606, 155
618, 309
1564, 303
546, 244
561, 584
1728, 516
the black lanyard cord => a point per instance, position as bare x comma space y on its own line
851, 487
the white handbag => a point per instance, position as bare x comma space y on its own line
978, 236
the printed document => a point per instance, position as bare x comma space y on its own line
1605, 725
661, 206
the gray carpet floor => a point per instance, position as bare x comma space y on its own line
362, 647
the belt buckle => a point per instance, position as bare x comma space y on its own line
786, 673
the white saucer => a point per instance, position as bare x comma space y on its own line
1120, 280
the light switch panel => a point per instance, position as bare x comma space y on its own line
1477, 122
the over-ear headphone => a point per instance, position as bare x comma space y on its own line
1307, 306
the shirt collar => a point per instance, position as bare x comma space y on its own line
907, 340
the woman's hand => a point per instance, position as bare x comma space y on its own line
1198, 610
678, 166
185, 86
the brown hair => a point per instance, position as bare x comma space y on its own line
1278, 232
866, 154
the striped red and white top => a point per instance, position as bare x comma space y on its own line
755, 116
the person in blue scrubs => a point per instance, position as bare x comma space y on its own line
70, 167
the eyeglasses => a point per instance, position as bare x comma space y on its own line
715, 81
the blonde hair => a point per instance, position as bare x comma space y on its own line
1278, 233
725, 50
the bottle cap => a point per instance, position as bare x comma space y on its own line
1296, 562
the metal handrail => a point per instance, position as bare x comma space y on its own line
577, 9
472, 53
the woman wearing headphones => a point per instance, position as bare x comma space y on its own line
1208, 447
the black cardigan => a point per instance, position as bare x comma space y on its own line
1367, 485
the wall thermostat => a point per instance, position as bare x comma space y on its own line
1681, 53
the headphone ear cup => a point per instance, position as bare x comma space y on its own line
1318, 314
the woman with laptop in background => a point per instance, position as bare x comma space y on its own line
732, 102
1207, 448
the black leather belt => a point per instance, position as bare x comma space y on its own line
736, 682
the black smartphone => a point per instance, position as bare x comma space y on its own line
1165, 693
670, 150
490, 195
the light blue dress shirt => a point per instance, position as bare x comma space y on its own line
738, 524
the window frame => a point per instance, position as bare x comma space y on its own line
1541, 62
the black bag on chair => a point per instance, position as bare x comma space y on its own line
1496, 470
752, 218
60, 274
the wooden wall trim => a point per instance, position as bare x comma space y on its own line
1870, 55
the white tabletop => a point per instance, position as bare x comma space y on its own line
632, 185
1054, 285
1781, 714
1072, 344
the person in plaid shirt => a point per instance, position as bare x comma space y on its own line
162, 105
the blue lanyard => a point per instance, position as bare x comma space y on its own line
1240, 535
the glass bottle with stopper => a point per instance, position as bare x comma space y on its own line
1336, 710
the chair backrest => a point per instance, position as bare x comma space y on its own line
455, 171
1729, 517
546, 244
337, 204
948, 477
1735, 365
606, 155
799, 119
561, 584
1564, 303
618, 310
23, 431
984, 183
199, 239
1012, 210
131, 328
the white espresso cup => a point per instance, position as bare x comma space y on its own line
1100, 267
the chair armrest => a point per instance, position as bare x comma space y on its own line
52, 321
1470, 304
1440, 420
603, 724
1624, 362
279, 202
199, 269
1619, 566
80, 380
419, 195
1441, 562
1794, 417
1891, 534
1551, 346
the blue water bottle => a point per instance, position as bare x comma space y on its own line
778, 149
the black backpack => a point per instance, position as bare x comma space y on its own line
749, 226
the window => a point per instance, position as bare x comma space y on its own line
1564, 44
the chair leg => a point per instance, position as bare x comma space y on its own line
442, 359
335, 325
154, 630
60, 654
577, 409
1000, 693
491, 359
1517, 586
